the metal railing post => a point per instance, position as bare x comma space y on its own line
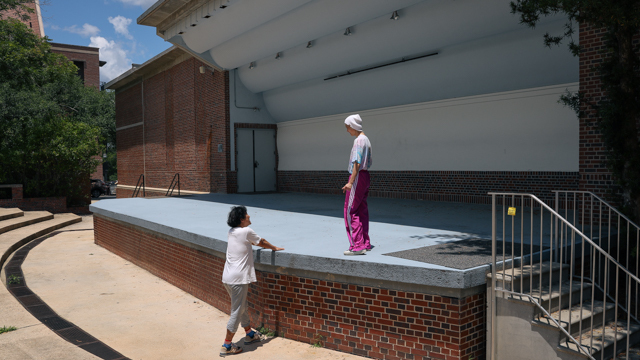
493, 277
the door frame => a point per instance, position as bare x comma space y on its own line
251, 126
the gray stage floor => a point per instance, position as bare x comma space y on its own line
312, 224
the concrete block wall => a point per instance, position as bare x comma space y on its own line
364, 320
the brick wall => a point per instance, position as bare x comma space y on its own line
453, 186
186, 116
53, 205
364, 320
594, 175
90, 56
31, 23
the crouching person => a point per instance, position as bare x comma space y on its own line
238, 273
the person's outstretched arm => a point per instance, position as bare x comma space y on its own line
267, 245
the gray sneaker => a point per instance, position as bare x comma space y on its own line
361, 252
234, 349
256, 338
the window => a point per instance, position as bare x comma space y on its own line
80, 64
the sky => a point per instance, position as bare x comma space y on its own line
106, 24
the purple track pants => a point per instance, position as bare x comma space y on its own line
356, 213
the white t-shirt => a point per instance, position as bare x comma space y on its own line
360, 153
238, 268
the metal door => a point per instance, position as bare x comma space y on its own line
264, 141
256, 154
244, 145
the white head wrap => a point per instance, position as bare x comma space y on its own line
354, 121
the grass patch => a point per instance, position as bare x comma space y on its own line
14, 279
266, 332
318, 341
5, 329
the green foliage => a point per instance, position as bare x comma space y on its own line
13, 279
266, 332
617, 113
318, 341
51, 125
16, 6
5, 329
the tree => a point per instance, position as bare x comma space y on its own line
51, 125
618, 112
17, 7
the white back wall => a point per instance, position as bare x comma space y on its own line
523, 130
244, 107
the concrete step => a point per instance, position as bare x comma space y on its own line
557, 296
615, 333
10, 213
531, 276
28, 218
577, 321
13, 240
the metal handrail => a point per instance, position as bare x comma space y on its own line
136, 190
172, 186
562, 244
574, 229
597, 198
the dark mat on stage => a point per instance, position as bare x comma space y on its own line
462, 254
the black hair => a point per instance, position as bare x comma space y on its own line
236, 215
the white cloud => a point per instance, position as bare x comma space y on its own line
114, 55
87, 30
121, 25
142, 3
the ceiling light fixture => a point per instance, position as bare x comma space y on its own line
395, 15
207, 16
309, 45
180, 32
194, 25
347, 32
252, 65
278, 56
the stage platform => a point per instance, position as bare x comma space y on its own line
311, 229
421, 290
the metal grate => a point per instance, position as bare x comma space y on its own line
31, 300
101, 350
75, 335
20, 291
56, 323
41, 311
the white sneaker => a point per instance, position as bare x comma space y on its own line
361, 252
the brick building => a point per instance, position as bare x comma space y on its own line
172, 119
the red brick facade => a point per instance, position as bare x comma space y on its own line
89, 56
452, 186
364, 320
186, 116
33, 22
594, 174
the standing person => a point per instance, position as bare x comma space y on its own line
238, 273
356, 212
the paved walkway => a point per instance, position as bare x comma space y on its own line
126, 307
